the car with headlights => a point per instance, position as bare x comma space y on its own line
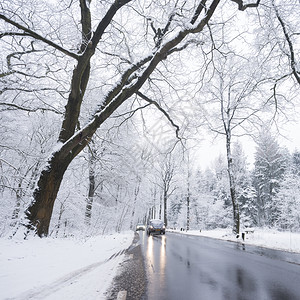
140, 227
156, 226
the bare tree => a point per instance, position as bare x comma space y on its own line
167, 185
235, 107
171, 35
276, 45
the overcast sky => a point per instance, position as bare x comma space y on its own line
209, 150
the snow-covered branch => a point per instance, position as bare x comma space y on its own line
39, 37
162, 110
291, 56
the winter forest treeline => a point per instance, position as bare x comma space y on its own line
104, 106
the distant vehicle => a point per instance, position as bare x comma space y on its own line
156, 226
140, 227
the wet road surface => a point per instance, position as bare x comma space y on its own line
189, 268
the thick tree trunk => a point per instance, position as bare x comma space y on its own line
40, 212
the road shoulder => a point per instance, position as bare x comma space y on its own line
131, 275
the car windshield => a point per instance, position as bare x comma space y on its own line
156, 222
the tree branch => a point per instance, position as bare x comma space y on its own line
198, 11
14, 106
131, 113
144, 97
291, 48
13, 55
13, 34
125, 79
243, 6
86, 24
159, 34
39, 37
106, 20
127, 87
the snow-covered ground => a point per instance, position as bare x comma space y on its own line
60, 268
84, 268
270, 238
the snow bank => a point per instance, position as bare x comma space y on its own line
84, 269
269, 238
60, 268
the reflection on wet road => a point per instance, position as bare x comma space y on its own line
186, 267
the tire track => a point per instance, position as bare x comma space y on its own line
46, 290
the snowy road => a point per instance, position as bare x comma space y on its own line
188, 267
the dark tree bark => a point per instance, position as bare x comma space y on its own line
40, 211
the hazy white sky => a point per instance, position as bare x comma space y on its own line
210, 150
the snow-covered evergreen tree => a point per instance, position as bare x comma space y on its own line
288, 198
270, 165
244, 189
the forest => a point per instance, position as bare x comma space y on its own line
104, 106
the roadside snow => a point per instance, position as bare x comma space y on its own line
74, 269
60, 268
269, 238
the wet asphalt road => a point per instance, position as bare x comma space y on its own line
189, 268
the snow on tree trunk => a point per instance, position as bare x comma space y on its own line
232, 185
91, 192
136, 192
40, 211
165, 208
